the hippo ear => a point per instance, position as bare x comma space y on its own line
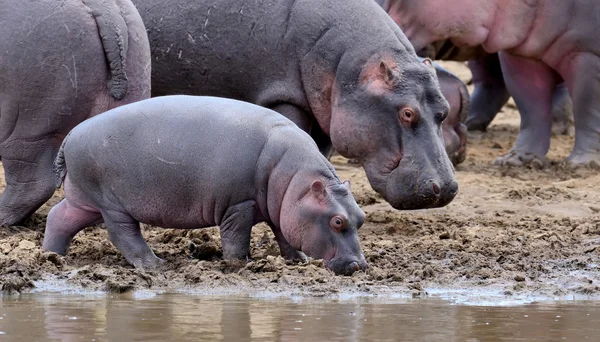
428, 62
318, 190
347, 184
385, 72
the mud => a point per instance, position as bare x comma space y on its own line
518, 230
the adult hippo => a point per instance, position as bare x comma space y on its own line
490, 93
539, 47
61, 62
348, 76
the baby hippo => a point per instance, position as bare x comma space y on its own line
192, 162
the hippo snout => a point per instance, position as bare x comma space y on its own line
347, 266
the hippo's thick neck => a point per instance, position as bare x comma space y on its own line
289, 173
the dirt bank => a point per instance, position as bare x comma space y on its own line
519, 230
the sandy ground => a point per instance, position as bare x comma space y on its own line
517, 231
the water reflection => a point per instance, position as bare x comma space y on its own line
45, 317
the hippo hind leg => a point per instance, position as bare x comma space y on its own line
532, 84
584, 84
65, 220
124, 232
29, 178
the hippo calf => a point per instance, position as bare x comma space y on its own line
61, 62
192, 162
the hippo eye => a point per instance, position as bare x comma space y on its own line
408, 116
337, 223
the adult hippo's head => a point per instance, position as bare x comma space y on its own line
390, 120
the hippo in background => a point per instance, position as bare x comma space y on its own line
490, 93
348, 76
193, 162
60, 63
538, 47
454, 130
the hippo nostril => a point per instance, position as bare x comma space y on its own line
353, 267
436, 188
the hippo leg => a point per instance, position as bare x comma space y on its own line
124, 232
236, 230
64, 221
531, 83
562, 111
29, 178
490, 92
287, 251
585, 90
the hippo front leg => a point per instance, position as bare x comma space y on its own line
287, 251
29, 178
584, 83
236, 230
490, 92
531, 84
124, 232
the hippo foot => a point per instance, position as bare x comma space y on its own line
148, 263
589, 160
294, 255
519, 159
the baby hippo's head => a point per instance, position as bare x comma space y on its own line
322, 220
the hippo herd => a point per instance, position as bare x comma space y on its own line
251, 98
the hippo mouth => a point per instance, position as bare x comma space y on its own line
344, 266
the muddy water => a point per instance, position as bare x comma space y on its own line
181, 317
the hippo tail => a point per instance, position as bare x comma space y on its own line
114, 36
60, 166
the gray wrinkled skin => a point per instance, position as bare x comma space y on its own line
192, 162
340, 69
61, 62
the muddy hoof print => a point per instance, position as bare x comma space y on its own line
515, 159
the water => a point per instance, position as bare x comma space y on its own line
183, 317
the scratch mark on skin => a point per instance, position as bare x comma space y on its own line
70, 76
191, 38
168, 162
207, 15
75, 72
43, 19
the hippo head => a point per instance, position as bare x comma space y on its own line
390, 120
321, 219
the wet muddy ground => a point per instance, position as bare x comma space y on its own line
518, 231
